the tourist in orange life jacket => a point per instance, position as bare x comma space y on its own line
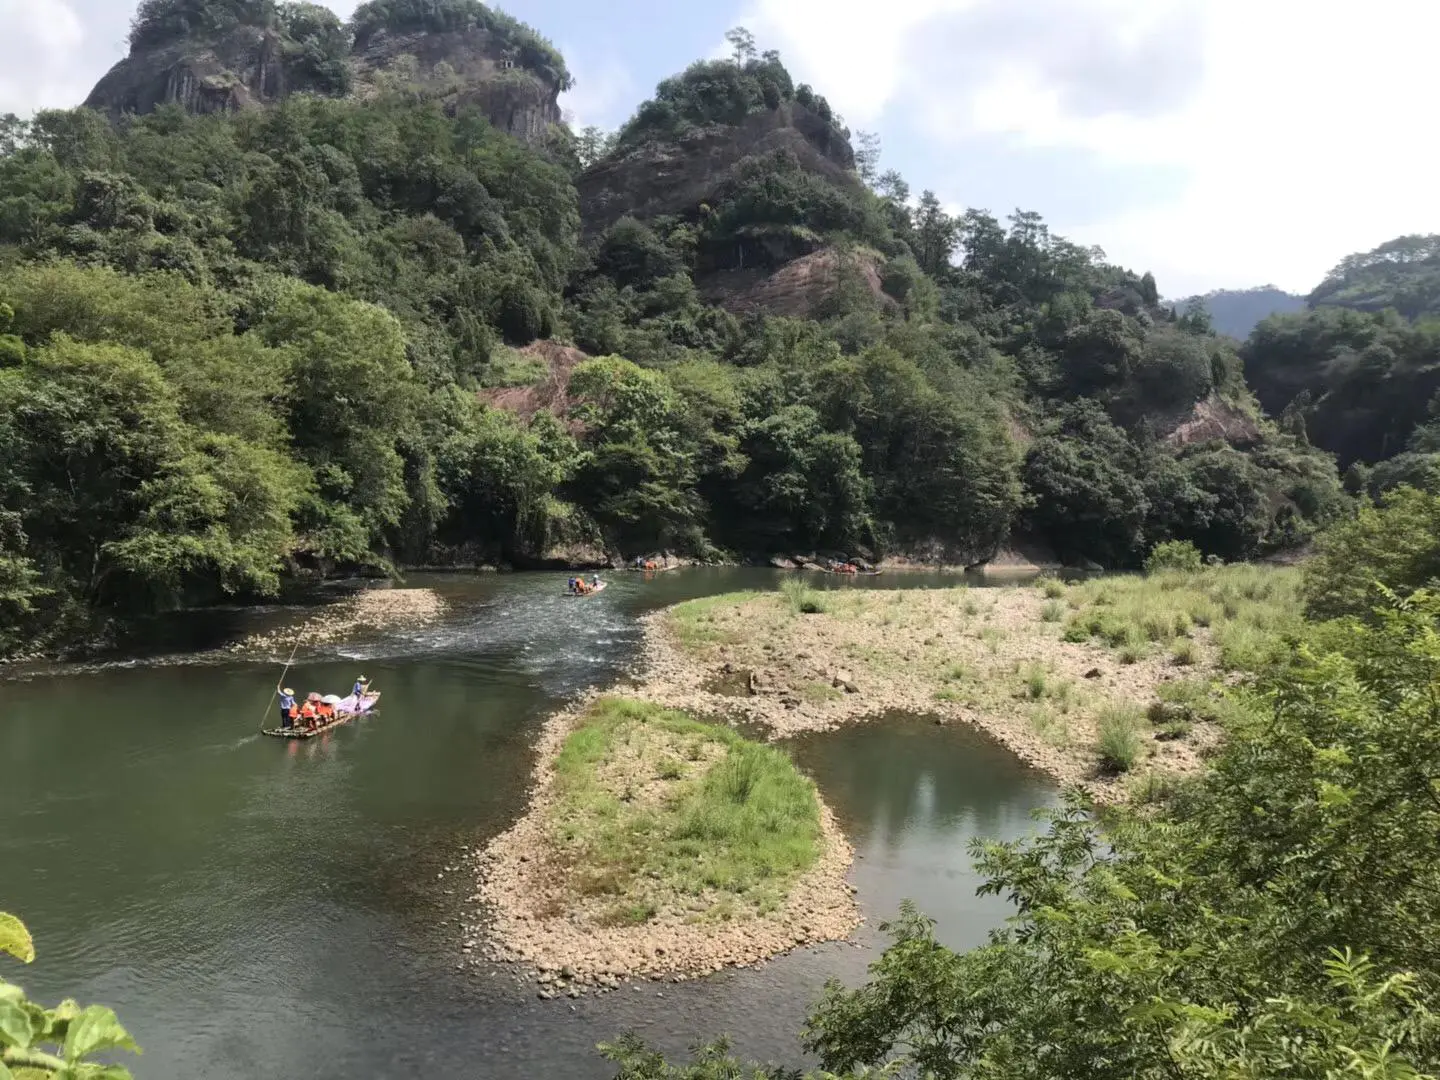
308, 715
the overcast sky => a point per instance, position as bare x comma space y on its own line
1217, 143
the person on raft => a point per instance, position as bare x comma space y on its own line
308, 713
594, 581
288, 710
361, 688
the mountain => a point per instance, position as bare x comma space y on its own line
1235, 312
227, 56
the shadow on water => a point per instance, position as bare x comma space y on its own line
260, 908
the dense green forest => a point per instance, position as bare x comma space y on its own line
246, 344
1359, 370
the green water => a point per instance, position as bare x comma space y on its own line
258, 908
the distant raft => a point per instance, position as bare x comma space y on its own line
346, 709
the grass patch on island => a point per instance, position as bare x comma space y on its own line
656, 811
1244, 609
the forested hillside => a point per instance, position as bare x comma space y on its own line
1359, 371
242, 344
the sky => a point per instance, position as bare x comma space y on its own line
1215, 143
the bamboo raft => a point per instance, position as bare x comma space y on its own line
364, 707
589, 592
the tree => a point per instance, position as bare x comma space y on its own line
1394, 544
867, 156
119, 498
742, 45
936, 235
638, 472
593, 144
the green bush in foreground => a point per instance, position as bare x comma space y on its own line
1173, 555
37, 1042
735, 824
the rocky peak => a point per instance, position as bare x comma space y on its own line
268, 52
655, 177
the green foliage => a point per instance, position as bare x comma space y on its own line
1179, 555
1393, 545
1119, 738
1403, 274
710, 92
1361, 382
40, 1042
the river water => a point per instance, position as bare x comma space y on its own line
256, 908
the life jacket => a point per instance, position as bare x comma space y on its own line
308, 710
325, 709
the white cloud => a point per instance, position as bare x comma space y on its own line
603, 94
1302, 129
38, 42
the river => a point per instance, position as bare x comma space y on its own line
257, 908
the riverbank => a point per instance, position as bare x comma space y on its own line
1114, 685
656, 845
370, 609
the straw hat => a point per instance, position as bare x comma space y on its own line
287, 690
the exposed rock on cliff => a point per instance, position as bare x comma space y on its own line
1215, 419
552, 393
466, 67
799, 288
675, 176
241, 66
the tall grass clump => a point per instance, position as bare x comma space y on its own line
801, 598
1053, 588
1053, 611
1121, 739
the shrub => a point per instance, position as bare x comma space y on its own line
1053, 588
1036, 682
1052, 612
1186, 653
803, 600
1175, 555
1120, 741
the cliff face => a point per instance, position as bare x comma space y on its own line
241, 68
798, 289
674, 176
251, 65
468, 67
